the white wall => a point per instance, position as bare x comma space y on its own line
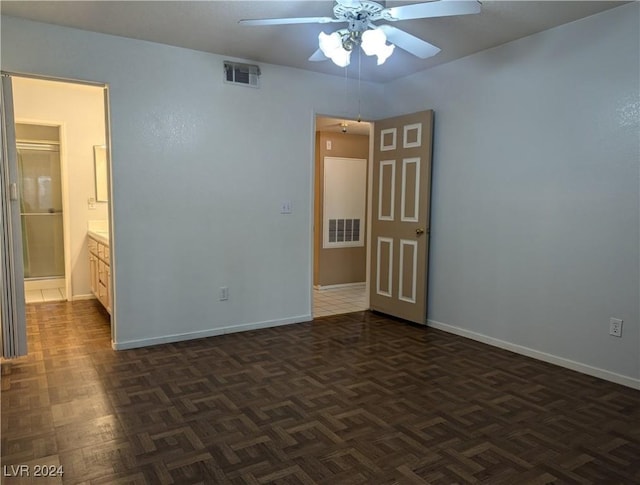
199, 170
535, 218
80, 111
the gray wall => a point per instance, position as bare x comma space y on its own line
535, 217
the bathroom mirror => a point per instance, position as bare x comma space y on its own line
101, 170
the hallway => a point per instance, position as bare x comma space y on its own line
335, 301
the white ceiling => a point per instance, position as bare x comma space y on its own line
212, 26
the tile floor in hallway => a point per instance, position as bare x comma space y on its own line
335, 301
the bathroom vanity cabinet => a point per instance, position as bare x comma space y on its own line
100, 268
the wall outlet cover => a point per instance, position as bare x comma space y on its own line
286, 207
615, 327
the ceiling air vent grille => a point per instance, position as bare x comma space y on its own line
243, 74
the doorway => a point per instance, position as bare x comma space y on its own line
342, 149
58, 124
398, 195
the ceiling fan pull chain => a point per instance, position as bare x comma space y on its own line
346, 92
359, 76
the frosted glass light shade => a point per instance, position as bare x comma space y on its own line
384, 52
374, 42
341, 57
331, 46
329, 42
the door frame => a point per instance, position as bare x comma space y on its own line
63, 160
312, 199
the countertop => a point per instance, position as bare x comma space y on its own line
100, 236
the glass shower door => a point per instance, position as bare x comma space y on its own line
41, 210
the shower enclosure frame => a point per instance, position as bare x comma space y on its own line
66, 223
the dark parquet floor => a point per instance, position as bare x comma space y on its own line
352, 399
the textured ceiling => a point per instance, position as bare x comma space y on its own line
212, 26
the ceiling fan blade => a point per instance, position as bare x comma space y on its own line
318, 56
285, 21
441, 8
408, 42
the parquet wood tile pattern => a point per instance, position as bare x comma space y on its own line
350, 399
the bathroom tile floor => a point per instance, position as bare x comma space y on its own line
335, 301
45, 295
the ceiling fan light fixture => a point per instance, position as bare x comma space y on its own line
384, 53
329, 42
331, 46
341, 57
371, 40
362, 30
374, 43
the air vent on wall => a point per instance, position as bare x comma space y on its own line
243, 74
344, 230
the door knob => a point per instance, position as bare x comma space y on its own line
419, 231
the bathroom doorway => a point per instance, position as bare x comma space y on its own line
58, 125
51, 132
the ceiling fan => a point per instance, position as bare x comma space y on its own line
342, 124
360, 15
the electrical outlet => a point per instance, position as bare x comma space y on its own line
224, 293
286, 207
615, 327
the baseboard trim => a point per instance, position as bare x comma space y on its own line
90, 296
179, 337
536, 354
341, 285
